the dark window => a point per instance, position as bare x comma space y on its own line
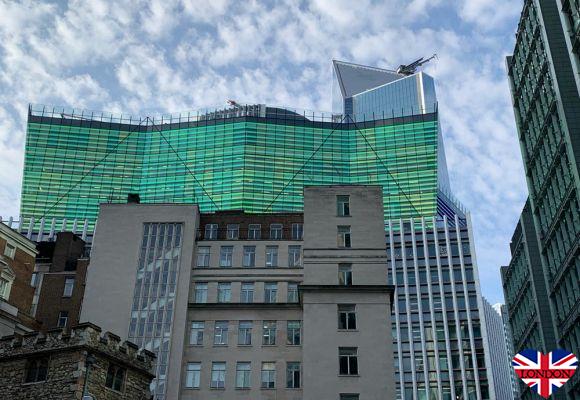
349, 396
345, 274
211, 232
297, 231
62, 319
344, 239
70, 265
36, 370
115, 377
346, 316
348, 360
275, 231
343, 206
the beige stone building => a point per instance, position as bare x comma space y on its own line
251, 306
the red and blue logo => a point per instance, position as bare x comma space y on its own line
545, 373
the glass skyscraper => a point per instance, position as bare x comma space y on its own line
384, 130
545, 86
255, 158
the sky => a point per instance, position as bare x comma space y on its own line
163, 56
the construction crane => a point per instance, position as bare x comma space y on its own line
412, 68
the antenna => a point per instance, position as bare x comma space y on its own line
410, 69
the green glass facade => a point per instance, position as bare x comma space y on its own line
255, 163
546, 100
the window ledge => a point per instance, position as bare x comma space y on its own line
348, 330
348, 376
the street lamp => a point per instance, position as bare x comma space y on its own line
89, 361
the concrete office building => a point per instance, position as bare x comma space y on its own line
236, 305
498, 347
438, 322
543, 73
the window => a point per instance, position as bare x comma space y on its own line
245, 333
294, 256
33, 281
71, 265
292, 293
297, 231
5, 286
69, 284
348, 361
271, 256
200, 292
254, 231
196, 333
345, 274
270, 292
293, 333
247, 293
249, 256
218, 375
224, 292
293, 375
203, 257
275, 231
346, 316
62, 319
344, 236
9, 251
192, 375
226, 253
269, 333
243, 370
220, 334
349, 396
36, 370
211, 232
343, 206
268, 375
115, 377
233, 231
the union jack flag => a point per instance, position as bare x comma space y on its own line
545, 373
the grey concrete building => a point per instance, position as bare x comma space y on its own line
139, 280
235, 305
501, 360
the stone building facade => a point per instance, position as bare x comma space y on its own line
54, 366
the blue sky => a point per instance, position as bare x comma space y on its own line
162, 56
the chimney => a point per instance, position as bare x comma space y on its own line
133, 198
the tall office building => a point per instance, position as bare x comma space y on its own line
543, 73
503, 373
235, 305
259, 158
501, 309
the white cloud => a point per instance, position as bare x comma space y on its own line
170, 56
